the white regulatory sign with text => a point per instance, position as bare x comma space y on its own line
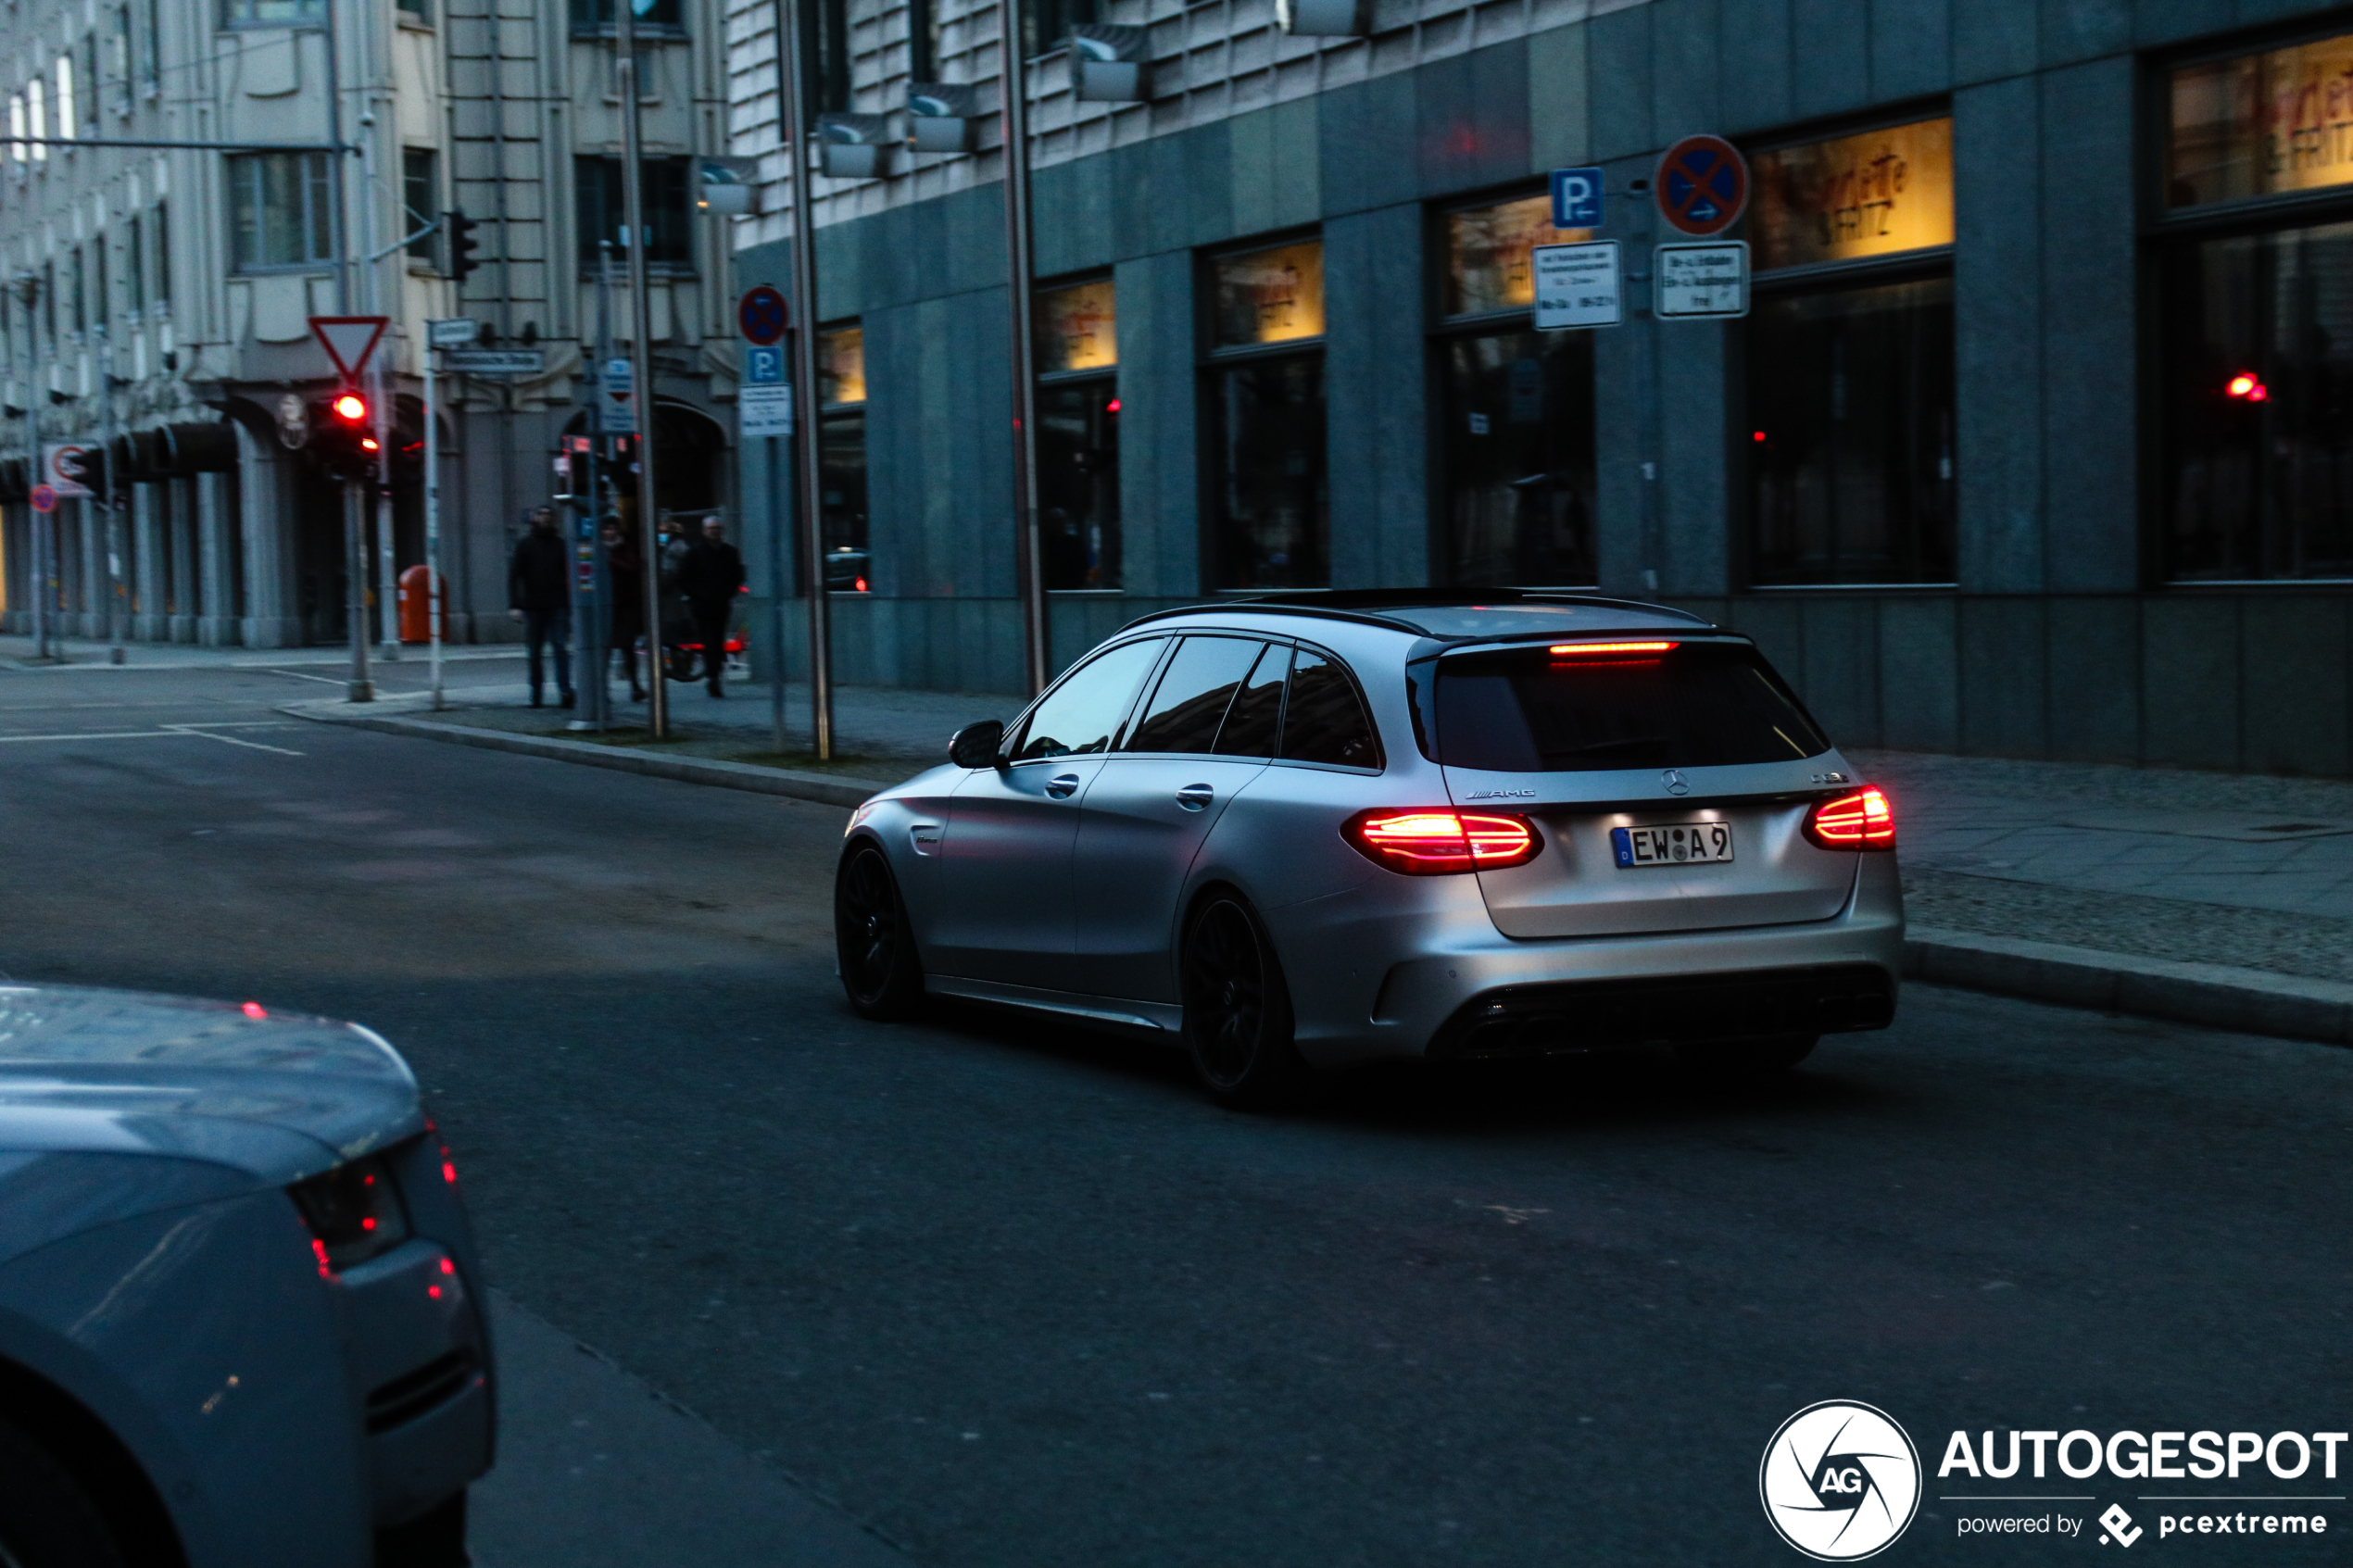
1708, 280
1577, 286
766, 409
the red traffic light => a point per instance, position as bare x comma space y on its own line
350, 408
2248, 386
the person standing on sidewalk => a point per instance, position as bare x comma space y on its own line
625, 565
538, 597
709, 576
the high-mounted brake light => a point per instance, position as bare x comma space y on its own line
1438, 842
1861, 821
1604, 650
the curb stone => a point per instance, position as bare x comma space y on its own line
2250, 1001
2212, 995
824, 788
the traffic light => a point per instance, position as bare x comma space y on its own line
344, 437
462, 244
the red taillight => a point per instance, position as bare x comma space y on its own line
1861, 821
1436, 842
1605, 650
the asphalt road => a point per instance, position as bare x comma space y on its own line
1013, 1295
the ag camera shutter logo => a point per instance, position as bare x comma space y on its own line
1840, 1481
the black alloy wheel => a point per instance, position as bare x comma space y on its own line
1746, 1060
879, 970
1237, 1015
47, 1518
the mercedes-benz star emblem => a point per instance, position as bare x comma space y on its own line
1674, 782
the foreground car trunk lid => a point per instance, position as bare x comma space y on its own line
1576, 888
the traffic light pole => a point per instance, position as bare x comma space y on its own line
355, 554
641, 375
117, 611
806, 489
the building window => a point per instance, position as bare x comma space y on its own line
1077, 359
598, 16
80, 291
69, 118
36, 98
270, 13
841, 457
1517, 408
420, 201
278, 209
1850, 413
1265, 387
668, 205
163, 253
2255, 381
135, 271
825, 51
1046, 24
923, 40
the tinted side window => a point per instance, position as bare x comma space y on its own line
1079, 715
1250, 723
1325, 720
1194, 694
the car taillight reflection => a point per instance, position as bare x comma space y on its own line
1861, 821
1436, 842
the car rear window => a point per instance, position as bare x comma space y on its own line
1697, 705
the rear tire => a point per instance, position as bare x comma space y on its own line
880, 973
47, 1520
1237, 1013
1747, 1060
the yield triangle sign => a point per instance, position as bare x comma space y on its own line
349, 340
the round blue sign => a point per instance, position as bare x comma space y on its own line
762, 315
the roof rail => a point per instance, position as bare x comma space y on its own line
1363, 605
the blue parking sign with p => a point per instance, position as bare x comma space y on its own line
1576, 198
763, 366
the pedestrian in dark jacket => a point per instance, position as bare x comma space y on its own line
538, 595
625, 567
709, 577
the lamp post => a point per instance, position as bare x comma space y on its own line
1029, 553
641, 376
803, 254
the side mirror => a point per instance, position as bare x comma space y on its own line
975, 746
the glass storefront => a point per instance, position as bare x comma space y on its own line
1516, 411
1265, 391
841, 457
1077, 358
2254, 318
1848, 350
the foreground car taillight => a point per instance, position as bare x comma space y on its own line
1861, 821
1436, 842
353, 1213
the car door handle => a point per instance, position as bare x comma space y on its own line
1061, 787
1193, 797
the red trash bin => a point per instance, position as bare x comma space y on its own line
413, 628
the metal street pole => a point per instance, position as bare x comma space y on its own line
37, 522
355, 547
802, 252
641, 372
379, 405
601, 441
1028, 554
118, 611
432, 514
779, 541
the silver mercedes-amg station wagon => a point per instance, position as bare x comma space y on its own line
1313, 831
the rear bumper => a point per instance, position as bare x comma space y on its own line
1417, 979
1681, 1009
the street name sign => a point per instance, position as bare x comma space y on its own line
1576, 198
1577, 286
1702, 185
1702, 281
452, 332
764, 408
617, 409
349, 340
496, 361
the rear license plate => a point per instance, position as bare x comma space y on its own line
1677, 846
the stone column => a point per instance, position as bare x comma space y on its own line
205, 499
180, 532
273, 617
150, 586
15, 553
